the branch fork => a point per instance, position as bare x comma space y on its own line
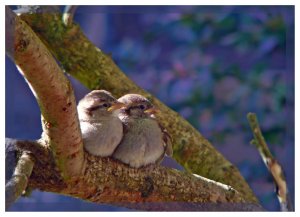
62, 166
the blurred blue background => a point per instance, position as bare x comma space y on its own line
212, 64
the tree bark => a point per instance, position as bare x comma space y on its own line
19, 180
53, 92
271, 163
155, 188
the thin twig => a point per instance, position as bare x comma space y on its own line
271, 163
18, 182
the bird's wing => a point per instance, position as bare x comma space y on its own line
167, 141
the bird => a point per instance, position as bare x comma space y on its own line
145, 141
101, 128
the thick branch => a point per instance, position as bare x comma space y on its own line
152, 188
97, 70
271, 163
18, 182
52, 91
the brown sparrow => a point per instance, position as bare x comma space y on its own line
144, 141
101, 128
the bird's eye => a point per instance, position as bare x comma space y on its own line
105, 105
142, 107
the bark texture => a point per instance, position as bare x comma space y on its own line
53, 92
271, 163
18, 181
96, 70
156, 188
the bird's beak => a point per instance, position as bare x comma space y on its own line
115, 106
152, 111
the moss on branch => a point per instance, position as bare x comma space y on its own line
150, 188
112, 182
19, 179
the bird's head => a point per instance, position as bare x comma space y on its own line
99, 103
137, 106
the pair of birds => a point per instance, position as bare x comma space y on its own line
125, 129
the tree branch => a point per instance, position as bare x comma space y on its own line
151, 188
14, 148
52, 91
271, 163
18, 182
95, 70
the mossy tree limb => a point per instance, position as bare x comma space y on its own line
96, 70
156, 188
19, 179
